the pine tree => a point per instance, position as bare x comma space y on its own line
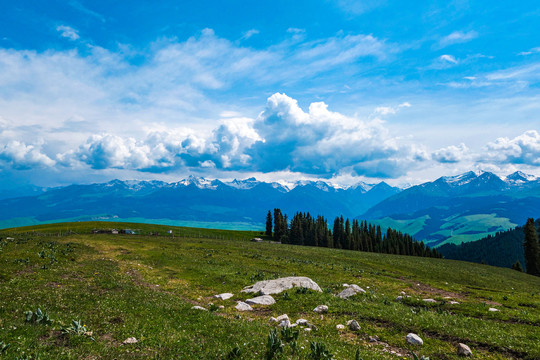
517, 266
269, 224
531, 248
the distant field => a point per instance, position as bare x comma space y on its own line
144, 286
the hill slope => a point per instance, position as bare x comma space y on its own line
461, 208
144, 286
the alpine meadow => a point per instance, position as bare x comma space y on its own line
270, 180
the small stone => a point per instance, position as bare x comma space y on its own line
280, 318
242, 306
463, 350
414, 339
403, 293
130, 340
340, 326
196, 307
261, 300
354, 326
429, 300
221, 307
321, 309
285, 323
351, 290
493, 309
307, 329
374, 338
399, 298
453, 302
223, 296
345, 285
272, 320
302, 322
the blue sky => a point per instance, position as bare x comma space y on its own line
284, 90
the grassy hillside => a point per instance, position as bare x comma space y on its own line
144, 286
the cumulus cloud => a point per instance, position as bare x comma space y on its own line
458, 37
68, 32
523, 149
451, 154
22, 156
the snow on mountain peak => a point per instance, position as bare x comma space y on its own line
519, 178
462, 179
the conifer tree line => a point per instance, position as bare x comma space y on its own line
308, 230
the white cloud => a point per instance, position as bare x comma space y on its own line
21, 156
458, 37
534, 50
451, 154
523, 149
248, 34
68, 32
448, 58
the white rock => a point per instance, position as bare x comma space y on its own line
196, 307
403, 293
285, 323
429, 300
242, 306
399, 298
464, 350
493, 309
223, 296
453, 302
261, 300
349, 322
280, 318
414, 339
354, 325
351, 290
273, 320
321, 309
340, 326
268, 287
130, 340
307, 329
345, 285
302, 322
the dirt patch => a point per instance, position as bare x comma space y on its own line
109, 340
425, 289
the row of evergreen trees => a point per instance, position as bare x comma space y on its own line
305, 229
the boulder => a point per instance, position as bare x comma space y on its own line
414, 339
242, 306
463, 350
269, 287
351, 290
196, 307
261, 300
321, 309
354, 325
223, 296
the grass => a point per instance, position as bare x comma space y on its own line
142, 286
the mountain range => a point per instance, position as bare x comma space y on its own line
448, 210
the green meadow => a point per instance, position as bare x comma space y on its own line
100, 289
